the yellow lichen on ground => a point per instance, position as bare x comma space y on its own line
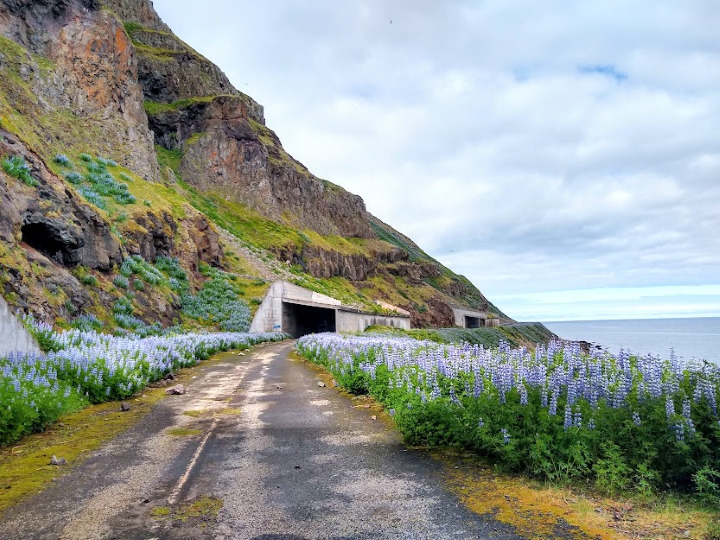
198, 511
25, 467
209, 413
183, 432
538, 511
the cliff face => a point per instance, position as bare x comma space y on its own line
78, 60
222, 136
86, 79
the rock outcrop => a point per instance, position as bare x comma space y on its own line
108, 77
90, 71
50, 219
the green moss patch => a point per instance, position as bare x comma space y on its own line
25, 467
184, 432
154, 108
197, 511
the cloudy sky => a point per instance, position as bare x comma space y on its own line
563, 155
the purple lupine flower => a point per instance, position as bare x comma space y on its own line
506, 436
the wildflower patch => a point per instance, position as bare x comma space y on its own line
623, 422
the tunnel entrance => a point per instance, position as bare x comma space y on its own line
473, 322
300, 320
44, 239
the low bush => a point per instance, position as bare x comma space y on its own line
16, 167
217, 302
88, 367
121, 282
621, 422
62, 159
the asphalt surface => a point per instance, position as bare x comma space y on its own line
279, 456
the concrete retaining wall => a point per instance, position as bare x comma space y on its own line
352, 321
13, 336
462, 315
269, 316
272, 317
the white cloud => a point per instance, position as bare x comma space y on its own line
532, 148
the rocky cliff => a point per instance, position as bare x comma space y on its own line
118, 139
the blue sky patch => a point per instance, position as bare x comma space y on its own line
607, 69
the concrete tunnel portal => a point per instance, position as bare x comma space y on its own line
300, 320
297, 312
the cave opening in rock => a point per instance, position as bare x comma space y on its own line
300, 320
40, 237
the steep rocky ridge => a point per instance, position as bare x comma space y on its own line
211, 183
66, 59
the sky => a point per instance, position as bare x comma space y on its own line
563, 155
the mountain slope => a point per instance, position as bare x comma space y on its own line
133, 144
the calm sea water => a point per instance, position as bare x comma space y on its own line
691, 338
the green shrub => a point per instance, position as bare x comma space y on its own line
92, 196
89, 279
123, 306
217, 303
121, 282
707, 486
171, 267
74, 178
62, 159
86, 323
125, 198
16, 167
625, 424
105, 162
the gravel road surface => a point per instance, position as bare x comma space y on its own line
256, 449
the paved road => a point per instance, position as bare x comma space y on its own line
285, 458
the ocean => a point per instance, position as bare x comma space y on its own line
691, 338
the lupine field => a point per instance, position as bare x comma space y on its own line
90, 367
619, 422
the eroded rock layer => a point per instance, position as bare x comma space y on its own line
91, 78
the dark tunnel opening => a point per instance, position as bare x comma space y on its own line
300, 320
42, 238
473, 322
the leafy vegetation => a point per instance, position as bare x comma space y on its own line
622, 422
16, 167
217, 302
515, 335
154, 107
86, 366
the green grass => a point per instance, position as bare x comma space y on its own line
416, 254
131, 28
154, 107
244, 223
169, 158
184, 432
157, 53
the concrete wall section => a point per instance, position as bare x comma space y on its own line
271, 316
13, 336
293, 293
470, 318
295, 311
355, 321
268, 317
